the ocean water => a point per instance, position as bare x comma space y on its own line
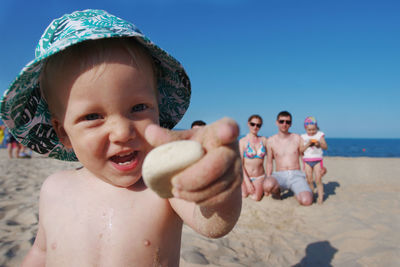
363, 147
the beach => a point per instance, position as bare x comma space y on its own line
357, 225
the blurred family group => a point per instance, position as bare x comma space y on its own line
287, 149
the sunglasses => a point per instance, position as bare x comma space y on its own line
285, 121
252, 124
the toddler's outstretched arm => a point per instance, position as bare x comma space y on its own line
207, 194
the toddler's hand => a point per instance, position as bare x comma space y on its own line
213, 178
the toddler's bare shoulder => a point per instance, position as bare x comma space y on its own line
57, 182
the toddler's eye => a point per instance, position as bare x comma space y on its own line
91, 117
139, 107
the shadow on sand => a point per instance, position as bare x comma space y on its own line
318, 254
329, 190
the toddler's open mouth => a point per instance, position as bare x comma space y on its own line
125, 162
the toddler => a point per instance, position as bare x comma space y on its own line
314, 142
97, 92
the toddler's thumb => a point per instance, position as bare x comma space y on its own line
156, 135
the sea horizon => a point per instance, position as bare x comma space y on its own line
362, 147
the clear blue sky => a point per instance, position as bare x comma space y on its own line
338, 60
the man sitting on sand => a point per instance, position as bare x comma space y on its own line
284, 147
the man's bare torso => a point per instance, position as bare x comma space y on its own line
285, 150
90, 223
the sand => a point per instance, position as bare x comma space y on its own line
357, 225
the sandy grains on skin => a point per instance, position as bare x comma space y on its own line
358, 224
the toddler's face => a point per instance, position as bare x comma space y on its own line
107, 109
311, 129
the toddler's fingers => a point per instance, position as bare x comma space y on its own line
222, 132
201, 195
157, 135
218, 191
205, 171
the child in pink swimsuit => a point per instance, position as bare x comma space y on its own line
314, 143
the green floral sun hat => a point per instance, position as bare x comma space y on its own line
25, 112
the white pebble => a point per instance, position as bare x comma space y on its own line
164, 162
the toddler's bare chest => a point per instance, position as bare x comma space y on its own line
92, 231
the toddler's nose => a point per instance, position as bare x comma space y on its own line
121, 130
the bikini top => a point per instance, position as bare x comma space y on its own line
251, 154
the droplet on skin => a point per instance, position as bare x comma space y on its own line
111, 215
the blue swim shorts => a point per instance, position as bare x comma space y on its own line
294, 180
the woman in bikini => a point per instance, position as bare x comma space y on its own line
253, 149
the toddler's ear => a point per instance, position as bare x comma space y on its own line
61, 133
